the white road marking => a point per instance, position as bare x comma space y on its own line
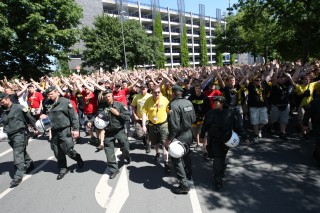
194, 198
26, 177
121, 193
5, 152
103, 190
10, 150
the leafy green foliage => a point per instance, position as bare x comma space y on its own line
219, 59
32, 31
184, 51
157, 31
203, 46
104, 44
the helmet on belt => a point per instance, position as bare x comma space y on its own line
177, 149
99, 123
233, 141
3, 136
43, 125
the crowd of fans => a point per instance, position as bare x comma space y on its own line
264, 94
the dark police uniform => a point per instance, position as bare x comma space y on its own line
114, 130
63, 119
313, 112
219, 125
15, 120
180, 119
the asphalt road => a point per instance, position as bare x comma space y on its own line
270, 176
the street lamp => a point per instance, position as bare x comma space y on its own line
123, 42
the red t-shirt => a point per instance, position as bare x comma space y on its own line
121, 96
35, 99
211, 94
73, 100
90, 103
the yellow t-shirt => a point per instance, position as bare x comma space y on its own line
138, 102
300, 89
166, 92
156, 110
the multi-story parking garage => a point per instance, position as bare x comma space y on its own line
170, 24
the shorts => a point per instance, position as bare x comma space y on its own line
88, 118
138, 129
258, 115
158, 133
277, 115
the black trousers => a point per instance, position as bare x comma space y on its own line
219, 151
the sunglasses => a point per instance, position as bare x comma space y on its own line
156, 92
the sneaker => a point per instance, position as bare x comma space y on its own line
197, 147
157, 157
260, 134
256, 139
148, 149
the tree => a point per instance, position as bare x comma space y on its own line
157, 32
32, 31
289, 28
184, 51
139, 46
104, 44
219, 59
203, 45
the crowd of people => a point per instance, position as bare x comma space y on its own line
220, 99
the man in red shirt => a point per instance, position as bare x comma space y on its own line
211, 92
34, 101
120, 94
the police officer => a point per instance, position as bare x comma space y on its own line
180, 119
65, 126
313, 112
219, 124
115, 114
15, 118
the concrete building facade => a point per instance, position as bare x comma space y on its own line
170, 23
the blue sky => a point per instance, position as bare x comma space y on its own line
193, 5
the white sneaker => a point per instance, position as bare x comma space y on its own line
260, 134
256, 140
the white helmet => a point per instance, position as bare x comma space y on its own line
99, 123
3, 136
43, 125
178, 149
233, 141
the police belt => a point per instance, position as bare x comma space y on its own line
21, 131
152, 124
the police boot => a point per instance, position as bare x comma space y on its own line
79, 160
181, 189
15, 182
30, 168
62, 173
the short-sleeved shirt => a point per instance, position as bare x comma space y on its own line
90, 103
156, 110
300, 89
73, 100
35, 99
166, 92
138, 102
211, 94
121, 96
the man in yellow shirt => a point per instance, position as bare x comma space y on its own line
137, 105
305, 92
155, 110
